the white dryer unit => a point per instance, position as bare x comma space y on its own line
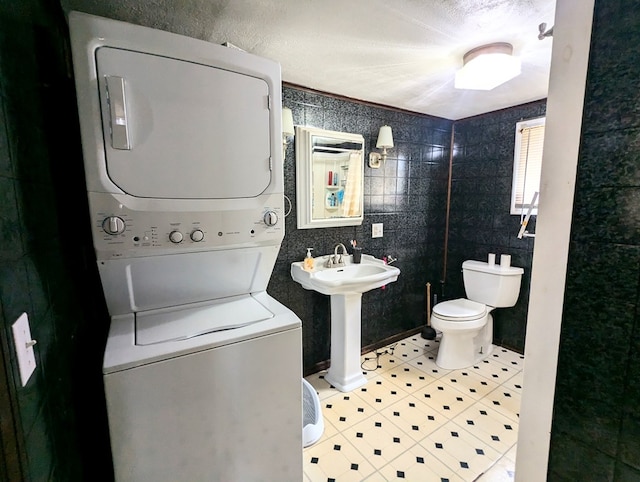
183, 160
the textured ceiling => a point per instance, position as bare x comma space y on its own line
401, 53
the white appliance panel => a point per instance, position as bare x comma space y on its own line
195, 131
182, 323
147, 230
147, 283
231, 413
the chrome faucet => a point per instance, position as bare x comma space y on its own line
391, 259
336, 260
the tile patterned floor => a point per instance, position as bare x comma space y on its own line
414, 421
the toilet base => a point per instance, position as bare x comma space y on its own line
462, 355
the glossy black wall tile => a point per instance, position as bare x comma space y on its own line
407, 195
480, 222
43, 268
596, 424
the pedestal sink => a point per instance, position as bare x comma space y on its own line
345, 286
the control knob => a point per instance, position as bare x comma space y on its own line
113, 225
175, 237
270, 218
197, 235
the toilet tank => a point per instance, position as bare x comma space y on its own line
492, 285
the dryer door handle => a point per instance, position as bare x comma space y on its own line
118, 112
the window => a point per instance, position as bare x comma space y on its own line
526, 165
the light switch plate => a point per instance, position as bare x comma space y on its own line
24, 348
376, 230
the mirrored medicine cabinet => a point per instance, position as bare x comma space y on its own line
329, 178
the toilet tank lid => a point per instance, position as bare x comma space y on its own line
492, 268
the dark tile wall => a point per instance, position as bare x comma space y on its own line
43, 240
407, 195
596, 423
480, 222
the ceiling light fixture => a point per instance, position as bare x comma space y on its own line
487, 67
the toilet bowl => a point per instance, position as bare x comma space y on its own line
466, 323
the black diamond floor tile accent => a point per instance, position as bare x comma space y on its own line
420, 460
430, 417
411, 404
314, 460
508, 427
464, 465
378, 424
359, 434
415, 427
470, 422
482, 412
343, 419
495, 438
455, 434
480, 451
377, 452
400, 474
396, 440
439, 445
354, 466
360, 409
337, 447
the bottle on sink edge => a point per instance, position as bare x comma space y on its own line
309, 261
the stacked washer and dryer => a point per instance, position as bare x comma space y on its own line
182, 146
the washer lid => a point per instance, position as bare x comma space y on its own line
460, 309
174, 324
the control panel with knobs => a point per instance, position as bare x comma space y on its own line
270, 218
176, 237
113, 225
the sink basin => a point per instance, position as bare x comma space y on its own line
352, 278
345, 286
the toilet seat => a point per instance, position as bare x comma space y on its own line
460, 309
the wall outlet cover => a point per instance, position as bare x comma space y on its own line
24, 348
376, 230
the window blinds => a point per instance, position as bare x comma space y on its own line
527, 173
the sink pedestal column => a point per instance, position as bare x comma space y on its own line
345, 372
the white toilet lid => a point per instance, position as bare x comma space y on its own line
460, 310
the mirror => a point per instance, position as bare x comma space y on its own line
329, 178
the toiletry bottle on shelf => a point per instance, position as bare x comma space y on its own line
309, 261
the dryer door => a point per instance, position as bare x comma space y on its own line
177, 129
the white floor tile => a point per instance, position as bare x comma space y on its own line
408, 377
390, 428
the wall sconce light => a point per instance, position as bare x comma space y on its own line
287, 128
487, 67
385, 141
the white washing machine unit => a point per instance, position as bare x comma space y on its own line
182, 144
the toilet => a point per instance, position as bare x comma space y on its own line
466, 323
